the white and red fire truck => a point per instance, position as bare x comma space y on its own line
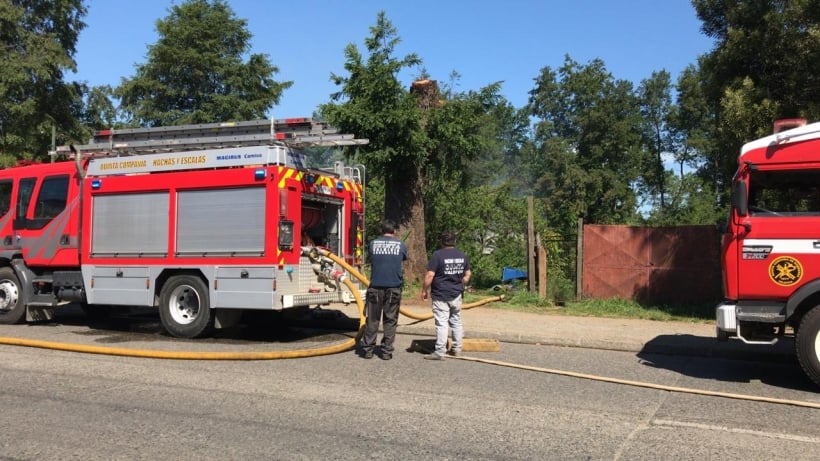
200, 221
771, 244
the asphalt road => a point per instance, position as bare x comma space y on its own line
60, 405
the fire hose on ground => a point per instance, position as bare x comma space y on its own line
342, 278
314, 254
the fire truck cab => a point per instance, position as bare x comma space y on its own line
771, 244
200, 221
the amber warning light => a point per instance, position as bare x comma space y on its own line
788, 123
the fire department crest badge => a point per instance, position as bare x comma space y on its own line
785, 271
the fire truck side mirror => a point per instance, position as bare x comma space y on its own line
740, 200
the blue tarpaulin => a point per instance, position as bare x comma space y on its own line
511, 273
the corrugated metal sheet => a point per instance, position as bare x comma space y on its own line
656, 265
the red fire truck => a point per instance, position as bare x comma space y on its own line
771, 244
200, 221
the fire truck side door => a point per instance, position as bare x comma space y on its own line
6, 215
43, 223
781, 250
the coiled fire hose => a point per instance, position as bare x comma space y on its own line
350, 343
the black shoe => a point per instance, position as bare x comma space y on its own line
433, 356
367, 355
387, 356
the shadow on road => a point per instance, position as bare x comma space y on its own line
732, 361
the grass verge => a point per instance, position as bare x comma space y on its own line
616, 308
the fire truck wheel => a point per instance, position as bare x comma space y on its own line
12, 308
185, 309
807, 344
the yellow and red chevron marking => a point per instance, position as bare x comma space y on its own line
359, 242
286, 173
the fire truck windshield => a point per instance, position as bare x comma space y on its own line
784, 192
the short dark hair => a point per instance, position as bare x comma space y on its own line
448, 238
388, 227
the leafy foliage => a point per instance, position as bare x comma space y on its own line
772, 42
763, 67
372, 103
655, 101
39, 39
195, 72
587, 142
99, 111
419, 145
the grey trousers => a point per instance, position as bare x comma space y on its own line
447, 314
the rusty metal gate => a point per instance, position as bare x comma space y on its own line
652, 265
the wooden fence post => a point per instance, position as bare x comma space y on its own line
542, 269
579, 261
530, 245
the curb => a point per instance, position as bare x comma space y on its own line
683, 345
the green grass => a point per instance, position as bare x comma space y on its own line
617, 308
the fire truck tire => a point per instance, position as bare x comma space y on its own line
185, 310
807, 344
12, 307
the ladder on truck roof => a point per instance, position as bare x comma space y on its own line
295, 132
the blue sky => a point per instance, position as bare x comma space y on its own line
484, 41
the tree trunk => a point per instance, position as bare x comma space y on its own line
403, 204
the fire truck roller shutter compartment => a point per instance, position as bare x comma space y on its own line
126, 226
132, 224
228, 222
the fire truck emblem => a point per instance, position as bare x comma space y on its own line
785, 271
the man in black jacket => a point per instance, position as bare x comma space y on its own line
386, 255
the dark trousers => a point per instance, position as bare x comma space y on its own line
381, 305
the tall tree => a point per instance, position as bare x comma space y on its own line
765, 65
587, 137
195, 73
772, 42
692, 124
414, 136
39, 39
655, 95
690, 188
466, 130
374, 104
